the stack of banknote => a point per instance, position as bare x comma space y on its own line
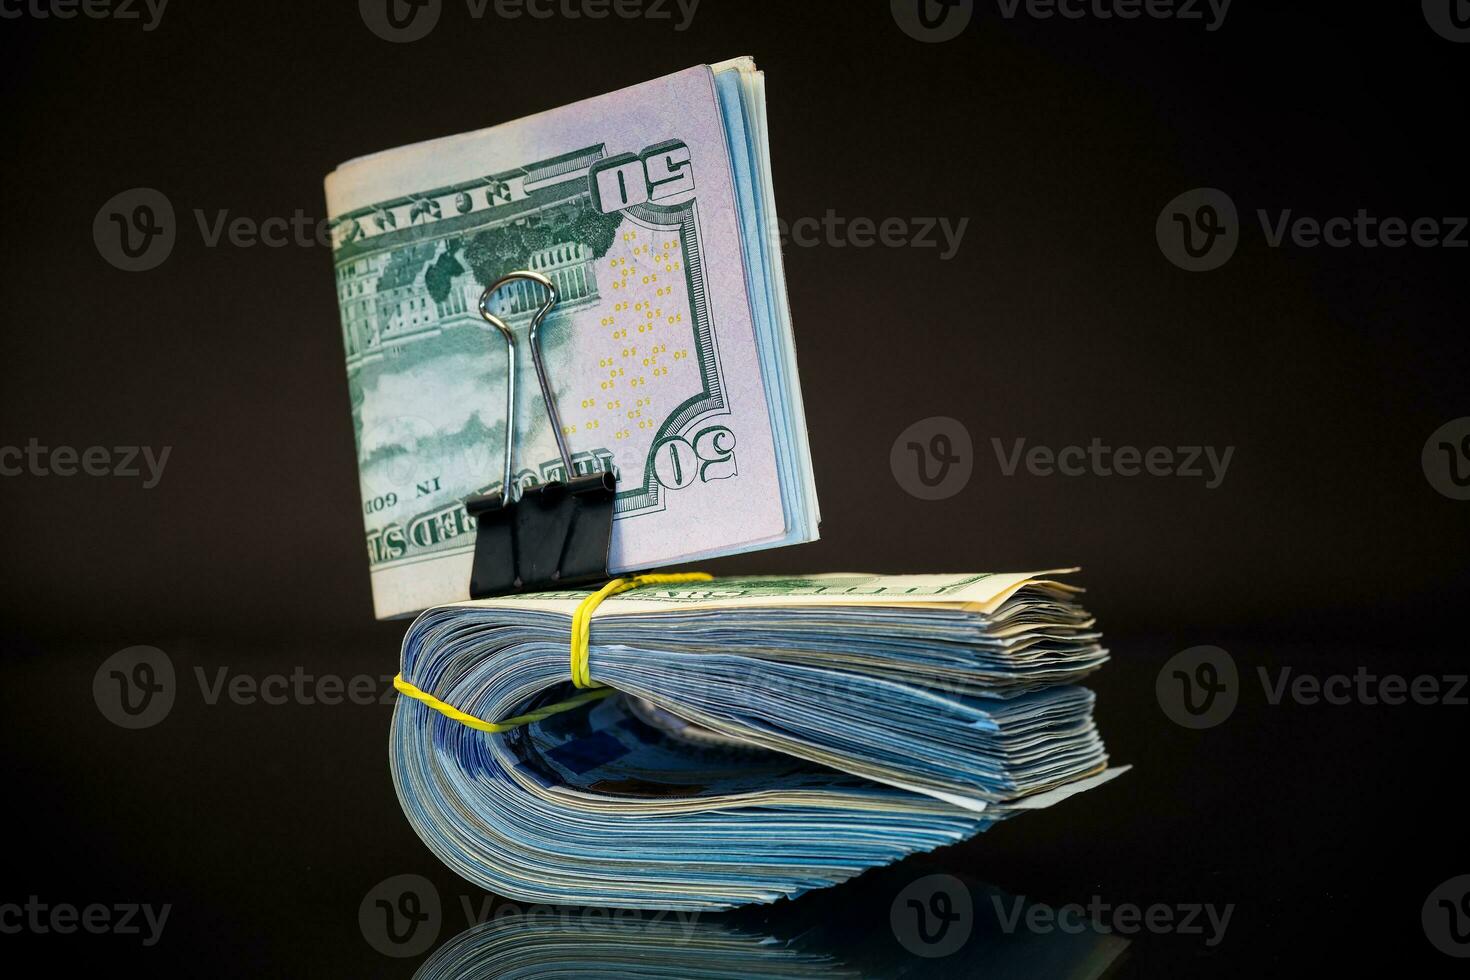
768, 735
669, 349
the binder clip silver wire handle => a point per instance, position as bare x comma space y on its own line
540, 364
554, 534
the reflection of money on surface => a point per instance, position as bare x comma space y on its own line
665, 370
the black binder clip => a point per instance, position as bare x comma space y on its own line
556, 534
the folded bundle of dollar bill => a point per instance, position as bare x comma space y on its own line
767, 735
669, 347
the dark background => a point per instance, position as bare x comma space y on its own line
1058, 320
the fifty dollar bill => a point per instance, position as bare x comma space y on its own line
669, 350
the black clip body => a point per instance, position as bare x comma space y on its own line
556, 534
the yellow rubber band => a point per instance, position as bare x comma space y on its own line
582, 618
449, 711
581, 669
